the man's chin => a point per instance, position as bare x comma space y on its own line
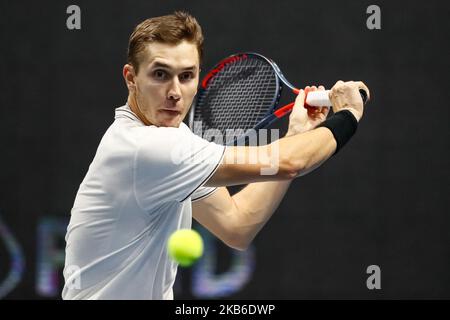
175, 122
169, 119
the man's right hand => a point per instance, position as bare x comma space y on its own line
346, 96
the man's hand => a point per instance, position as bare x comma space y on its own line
303, 118
346, 96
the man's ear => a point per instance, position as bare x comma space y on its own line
129, 76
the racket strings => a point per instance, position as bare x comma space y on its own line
236, 98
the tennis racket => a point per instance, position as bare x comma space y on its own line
242, 92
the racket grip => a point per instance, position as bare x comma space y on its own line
321, 98
318, 99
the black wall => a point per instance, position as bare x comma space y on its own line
382, 201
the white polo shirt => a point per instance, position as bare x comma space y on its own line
136, 193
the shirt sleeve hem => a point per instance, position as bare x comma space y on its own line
207, 177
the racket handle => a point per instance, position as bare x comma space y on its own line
321, 98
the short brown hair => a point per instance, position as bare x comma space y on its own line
172, 29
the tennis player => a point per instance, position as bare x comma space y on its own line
143, 184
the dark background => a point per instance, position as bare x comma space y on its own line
383, 200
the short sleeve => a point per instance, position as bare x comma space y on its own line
202, 193
171, 164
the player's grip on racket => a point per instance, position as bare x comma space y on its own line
320, 98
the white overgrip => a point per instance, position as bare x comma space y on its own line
318, 98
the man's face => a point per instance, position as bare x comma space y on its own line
167, 82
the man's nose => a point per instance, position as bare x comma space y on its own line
174, 92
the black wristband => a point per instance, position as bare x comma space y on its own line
343, 125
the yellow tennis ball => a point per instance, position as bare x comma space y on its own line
185, 246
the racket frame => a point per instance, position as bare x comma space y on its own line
272, 113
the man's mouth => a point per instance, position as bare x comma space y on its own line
171, 112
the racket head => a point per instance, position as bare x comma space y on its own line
239, 92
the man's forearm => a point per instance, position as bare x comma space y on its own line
306, 151
290, 157
256, 203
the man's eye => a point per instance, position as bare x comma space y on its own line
160, 74
186, 76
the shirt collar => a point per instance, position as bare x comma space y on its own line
125, 112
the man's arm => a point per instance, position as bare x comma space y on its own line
237, 220
290, 156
